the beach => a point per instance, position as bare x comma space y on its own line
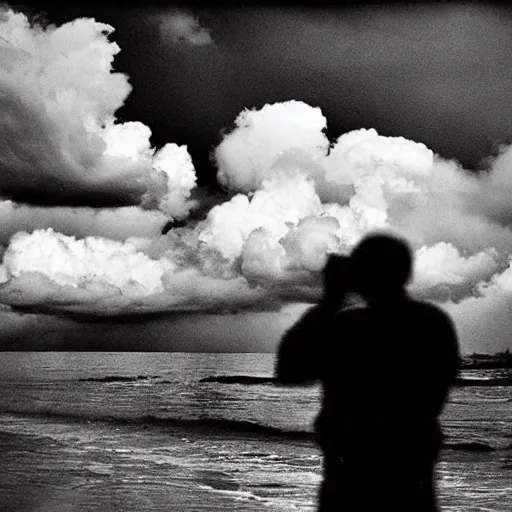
143, 431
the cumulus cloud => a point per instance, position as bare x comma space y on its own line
113, 223
444, 274
246, 155
55, 272
281, 202
483, 319
59, 138
295, 198
496, 188
84, 263
183, 27
174, 162
457, 221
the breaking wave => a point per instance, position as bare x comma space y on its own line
214, 426
250, 379
239, 379
258, 380
119, 378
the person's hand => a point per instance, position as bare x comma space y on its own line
337, 281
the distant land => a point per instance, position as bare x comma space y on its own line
479, 361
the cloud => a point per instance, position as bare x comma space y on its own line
53, 272
442, 273
60, 142
362, 181
294, 198
183, 27
191, 332
87, 263
175, 163
281, 201
246, 155
484, 319
113, 223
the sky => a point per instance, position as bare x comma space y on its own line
173, 178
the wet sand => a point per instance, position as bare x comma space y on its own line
121, 470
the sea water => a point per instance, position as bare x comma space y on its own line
144, 431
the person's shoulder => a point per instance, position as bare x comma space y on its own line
424, 305
429, 311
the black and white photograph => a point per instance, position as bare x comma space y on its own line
256, 257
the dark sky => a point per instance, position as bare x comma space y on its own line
435, 73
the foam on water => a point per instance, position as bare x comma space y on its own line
131, 444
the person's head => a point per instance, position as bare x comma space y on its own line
382, 266
336, 275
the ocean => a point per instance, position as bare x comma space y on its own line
144, 431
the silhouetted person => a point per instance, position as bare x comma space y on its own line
293, 361
386, 370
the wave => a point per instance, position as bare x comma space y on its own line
480, 400
472, 446
463, 382
239, 379
251, 380
119, 378
222, 379
219, 426
191, 425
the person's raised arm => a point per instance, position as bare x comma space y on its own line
298, 357
300, 354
